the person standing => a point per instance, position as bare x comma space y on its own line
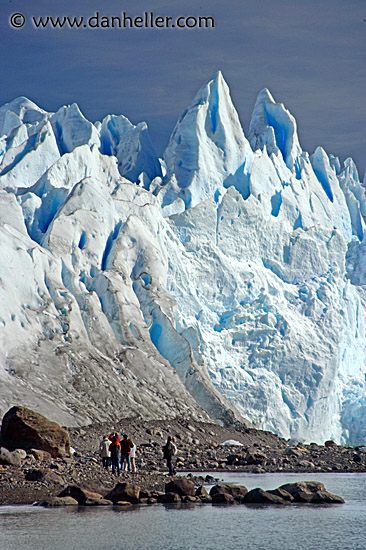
104, 451
133, 458
115, 449
169, 450
126, 446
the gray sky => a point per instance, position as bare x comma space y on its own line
309, 53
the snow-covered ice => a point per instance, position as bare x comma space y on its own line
225, 279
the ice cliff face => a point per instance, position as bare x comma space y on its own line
227, 279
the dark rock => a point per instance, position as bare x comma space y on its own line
34, 475
201, 492
330, 443
170, 497
238, 458
229, 489
124, 491
181, 486
144, 493
259, 496
43, 475
303, 496
25, 429
222, 498
323, 497
78, 493
255, 458
189, 498
282, 493
294, 451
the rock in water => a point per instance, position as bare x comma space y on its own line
180, 486
23, 428
124, 492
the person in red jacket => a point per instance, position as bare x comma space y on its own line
115, 448
126, 446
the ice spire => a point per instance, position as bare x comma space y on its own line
207, 150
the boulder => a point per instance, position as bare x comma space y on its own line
36, 474
9, 458
39, 455
79, 494
302, 486
255, 458
181, 486
21, 453
294, 451
237, 458
58, 501
124, 492
222, 498
25, 429
228, 489
170, 497
311, 491
259, 496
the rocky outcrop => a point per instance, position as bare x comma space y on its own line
23, 428
259, 496
180, 486
124, 492
80, 494
236, 491
311, 491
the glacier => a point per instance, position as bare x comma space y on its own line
225, 280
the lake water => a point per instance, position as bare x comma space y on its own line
205, 527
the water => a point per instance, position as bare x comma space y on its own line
295, 527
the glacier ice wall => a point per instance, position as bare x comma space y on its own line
226, 279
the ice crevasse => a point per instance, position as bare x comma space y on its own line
225, 279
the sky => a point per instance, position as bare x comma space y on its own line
310, 54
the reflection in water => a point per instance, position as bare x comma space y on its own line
188, 526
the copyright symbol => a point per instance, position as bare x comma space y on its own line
17, 20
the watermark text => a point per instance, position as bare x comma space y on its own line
147, 20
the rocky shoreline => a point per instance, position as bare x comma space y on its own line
38, 477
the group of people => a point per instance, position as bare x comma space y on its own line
120, 454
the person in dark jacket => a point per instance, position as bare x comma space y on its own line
115, 449
126, 446
169, 450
